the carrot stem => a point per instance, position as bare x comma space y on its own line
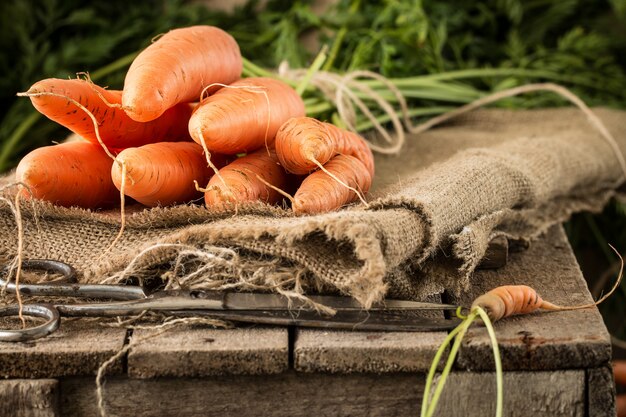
318, 108
497, 72
450, 361
334, 50
253, 70
426, 111
428, 407
498, 361
315, 67
433, 368
114, 66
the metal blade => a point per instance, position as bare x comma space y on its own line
390, 320
254, 301
170, 301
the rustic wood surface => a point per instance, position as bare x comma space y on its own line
544, 340
330, 371
289, 394
78, 347
540, 394
342, 352
545, 394
601, 392
29, 398
317, 350
202, 352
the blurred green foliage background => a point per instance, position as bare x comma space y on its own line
495, 44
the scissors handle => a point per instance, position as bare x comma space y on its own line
46, 311
67, 285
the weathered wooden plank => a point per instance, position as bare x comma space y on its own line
317, 350
29, 398
601, 392
78, 347
549, 394
199, 352
556, 340
288, 394
345, 352
537, 394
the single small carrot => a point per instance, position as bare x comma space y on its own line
304, 143
335, 186
177, 67
162, 174
509, 300
69, 174
254, 177
245, 115
57, 98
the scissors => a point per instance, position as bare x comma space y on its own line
259, 308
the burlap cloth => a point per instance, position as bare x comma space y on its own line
433, 209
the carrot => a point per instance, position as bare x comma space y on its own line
321, 191
508, 300
304, 143
69, 174
162, 174
56, 99
619, 370
245, 116
254, 177
177, 67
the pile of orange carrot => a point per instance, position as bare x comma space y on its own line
186, 123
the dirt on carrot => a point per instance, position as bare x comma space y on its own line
254, 177
344, 179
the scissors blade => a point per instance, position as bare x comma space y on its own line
212, 300
251, 301
388, 320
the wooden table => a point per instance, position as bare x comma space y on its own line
556, 364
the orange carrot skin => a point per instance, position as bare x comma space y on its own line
162, 174
245, 116
302, 139
619, 370
620, 405
117, 130
508, 300
69, 174
242, 183
320, 193
176, 68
